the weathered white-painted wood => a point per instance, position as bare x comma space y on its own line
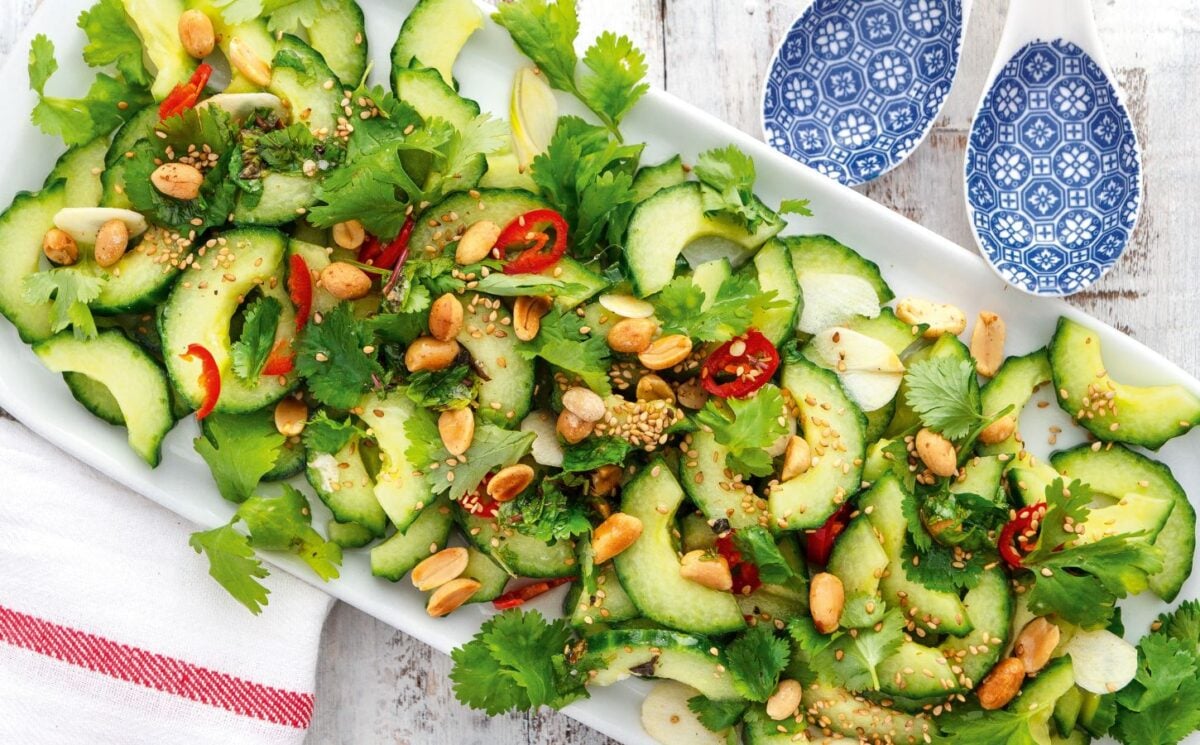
376, 685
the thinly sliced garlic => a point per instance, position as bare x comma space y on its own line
534, 115
833, 299
627, 306
546, 449
1103, 662
845, 350
667, 718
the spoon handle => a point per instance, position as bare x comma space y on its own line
1046, 20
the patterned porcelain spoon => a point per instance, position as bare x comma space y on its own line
856, 85
1053, 168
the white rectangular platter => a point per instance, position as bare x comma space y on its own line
914, 261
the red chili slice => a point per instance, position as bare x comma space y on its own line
745, 573
478, 503
1019, 534
300, 289
210, 377
281, 360
819, 543
740, 366
521, 595
528, 232
185, 95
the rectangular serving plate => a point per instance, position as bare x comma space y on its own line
914, 260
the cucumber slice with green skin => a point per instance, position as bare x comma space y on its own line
887, 328
433, 35
501, 206
673, 220
609, 604
885, 501
771, 602
989, 607
283, 196
878, 421
835, 283
518, 554
95, 397
112, 180
342, 482
835, 430
649, 653
157, 23
340, 35
348, 535
1066, 711
506, 395
1028, 479
316, 258
981, 476
760, 729
491, 576
1146, 416
81, 168
402, 494
1097, 713
931, 676
134, 379
1013, 385
431, 97
650, 180
859, 561
142, 278
428, 534
709, 277
853, 716
201, 313
22, 228
773, 265
906, 420
719, 496
649, 569
299, 76
290, 462
1040, 694
1121, 473
572, 272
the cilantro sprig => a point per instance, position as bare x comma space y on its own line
944, 392
239, 449
71, 289
257, 339
336, 358
755, 660
562, 343
550, 511
849, 660
1162, 704
747, 427
681, 307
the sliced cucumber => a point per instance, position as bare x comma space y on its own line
650, 568
572, 272
859, 561
1013, 385
201, 313
132, 377
989, 607
348, 535
844, 713
650, 180
284, 196
609, 604
316, 258
291, 460
773, 265
431, 97
342, 482
22, 228
491, 576
1028, 479
905, 421
157, 23
1113, 411
760, 729
142, 278
719, 495
834, 429
340, 35
982, 476
507, 393
501, 206
399, 490
433, 35
1040, 694
520, 555
138, 127
81, 168
1066, 711
650, 653
709, 277
428, 533
775, 602
666, 224
95, 397
1131, 477
836, 283
299, 77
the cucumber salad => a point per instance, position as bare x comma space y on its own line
507, 355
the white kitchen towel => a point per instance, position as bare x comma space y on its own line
111, 630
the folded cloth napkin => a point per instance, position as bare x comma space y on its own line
111, 630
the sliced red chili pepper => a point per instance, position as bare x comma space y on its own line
478, 503
1018, 535
740, 366
745, 573
391, 253
210, 377
281, 360
300, 289
528, 232
185, 95
522, 595
819, 543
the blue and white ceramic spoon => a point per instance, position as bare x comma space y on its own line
1053, 167
856, 85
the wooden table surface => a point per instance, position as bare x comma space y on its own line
376, 685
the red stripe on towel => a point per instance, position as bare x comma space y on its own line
156, 671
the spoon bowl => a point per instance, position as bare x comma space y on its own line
1053, 167
856, 85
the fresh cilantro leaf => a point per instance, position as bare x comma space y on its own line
562, 343
453, 388
916, 527
845, 659
232, 563
492, 449
252, 348
239, 450
480, 136
595, 452
111, 41
757, 546
71, 290
517, 285
547, 512
331, 359
943, 568
717, 715
727, 177
284, 523
323, 434
516, 663
755, 660
1000, 727
1162, 704
795, 207
398, 328
944, 392
619, 69
1183, 623
370, 189
681, 307
951, 537
747, 426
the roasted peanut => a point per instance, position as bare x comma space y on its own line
438, 569
445, 317
477, 242
999, 430
427, 353
349, 235
178, 180
584, 403
691, 394
938, 318
667, 352
196, 34
653, 388
527, 316
614, 535
606, 479
709, 570
826, 599
785, 700
509, 482
447, 598
291, 416
345, 281
796, 459
111, 242
1002, 684
572, 428
937, 453
246, 61
457, 428
1036, 642
987, 343
632, 335
60, 247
